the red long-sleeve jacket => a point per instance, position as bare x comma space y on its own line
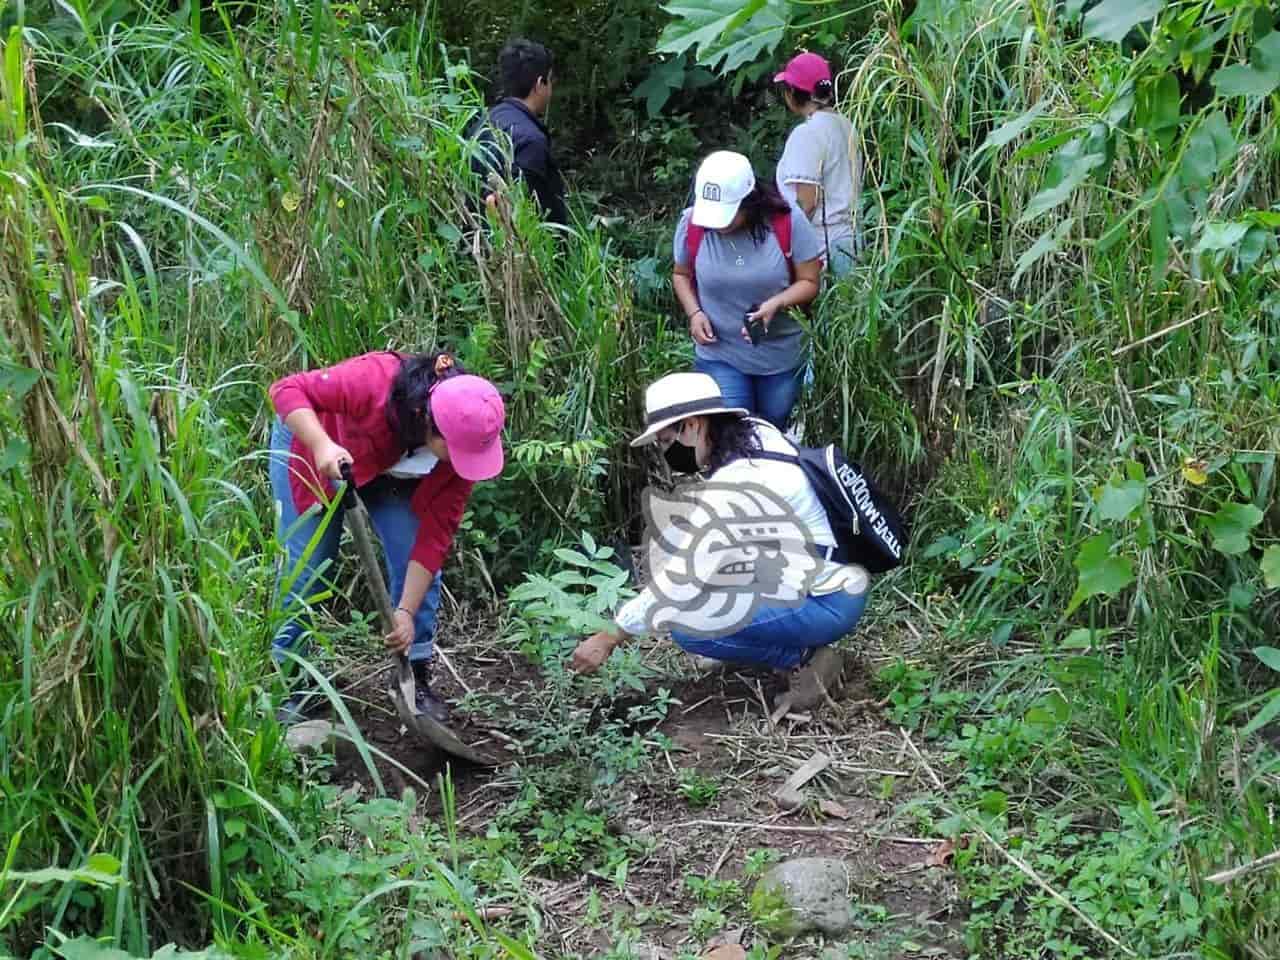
350, 400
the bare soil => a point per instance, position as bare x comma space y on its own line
719, 726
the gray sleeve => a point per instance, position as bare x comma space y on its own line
806, 241
802, 157
679, 249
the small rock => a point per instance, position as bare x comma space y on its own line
834, 809
311, 736
809, 893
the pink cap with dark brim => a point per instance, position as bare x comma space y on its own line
469, 413
805, 71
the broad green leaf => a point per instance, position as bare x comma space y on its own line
1229, 527
1271, 567
1257, 78
83, 948
1159, 240
1052, 710
1244, 80
103, 863
1181, 215
714, 29
15, 452
1048, 242
1082, 638
95, 878
1078, 171
1113, 19
1159, 108
1219, 131
663, 80
1100, 572
1268, 655
16, 380
1221, 236
1264, 716
1120, 498
1200, 159
570, 556
1010, 130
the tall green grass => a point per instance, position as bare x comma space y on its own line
1075, 385
1060, 341
185, 215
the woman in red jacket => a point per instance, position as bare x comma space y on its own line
418, 432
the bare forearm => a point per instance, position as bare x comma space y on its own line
685, 293
305, 425
796, 295
417, 581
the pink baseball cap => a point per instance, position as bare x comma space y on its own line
469, 413
804, 71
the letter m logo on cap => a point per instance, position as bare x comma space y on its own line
711, 191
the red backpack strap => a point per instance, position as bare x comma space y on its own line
782, 232
692, 241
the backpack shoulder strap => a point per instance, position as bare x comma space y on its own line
692, 241
773, 455
782, 232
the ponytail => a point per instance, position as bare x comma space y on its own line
409, 402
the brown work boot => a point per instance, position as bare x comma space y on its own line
818, 678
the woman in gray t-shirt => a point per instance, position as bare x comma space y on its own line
737, 286
820, 170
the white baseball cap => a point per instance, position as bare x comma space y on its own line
724, 180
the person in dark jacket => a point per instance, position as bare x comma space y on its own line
526, 68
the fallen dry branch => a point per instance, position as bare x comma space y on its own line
1245, 869
771, 827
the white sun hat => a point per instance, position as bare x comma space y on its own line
724, 180
680, 395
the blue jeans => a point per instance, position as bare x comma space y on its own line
771, 396
841, 260
783, 637
303, 574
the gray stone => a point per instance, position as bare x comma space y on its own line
311, 736
809, 893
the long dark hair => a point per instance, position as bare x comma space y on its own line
823, 92
409, 403
761, 205
733, 437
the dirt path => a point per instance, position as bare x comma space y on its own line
701, 809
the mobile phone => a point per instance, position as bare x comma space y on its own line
755, 326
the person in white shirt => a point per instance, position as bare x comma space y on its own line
745, 568
821, 170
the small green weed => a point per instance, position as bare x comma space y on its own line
698, 789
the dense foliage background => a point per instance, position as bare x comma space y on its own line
1060, 345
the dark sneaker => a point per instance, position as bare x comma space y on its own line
426, 700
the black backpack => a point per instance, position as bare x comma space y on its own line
868, 528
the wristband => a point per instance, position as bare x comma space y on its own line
695, 313
406, 610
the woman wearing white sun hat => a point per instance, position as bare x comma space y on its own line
745, 259
751, 507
